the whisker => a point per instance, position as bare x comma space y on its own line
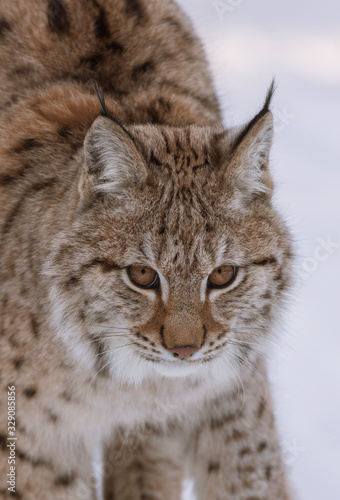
112, 349
102, 368
238, 378
252, 367
107, 325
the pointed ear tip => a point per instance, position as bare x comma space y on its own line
269, 95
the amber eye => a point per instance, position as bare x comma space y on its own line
222, 277
143, 276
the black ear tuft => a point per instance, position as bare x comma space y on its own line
257, 117
269, 96
101, 99
106, 113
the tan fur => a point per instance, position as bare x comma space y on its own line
83, 196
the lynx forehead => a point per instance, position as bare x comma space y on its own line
142, 262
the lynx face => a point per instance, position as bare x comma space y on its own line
176, 261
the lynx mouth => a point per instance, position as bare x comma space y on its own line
180, 368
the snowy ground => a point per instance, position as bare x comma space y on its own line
247, 42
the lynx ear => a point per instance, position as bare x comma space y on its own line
247, 171
113, 162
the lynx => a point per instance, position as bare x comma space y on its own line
143, 265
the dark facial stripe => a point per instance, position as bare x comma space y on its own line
105, 265
161, 334
57, 18
101, 27
265, 262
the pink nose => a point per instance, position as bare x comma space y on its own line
183, 352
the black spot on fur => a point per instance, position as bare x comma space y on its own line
278, 276
6, 179
166, 142
67, 395
65, 479
3, 442
65, 132
213, 467
265, 311
52, 416
34, 326
134, 7
22, 71
115, 47
4, 26
92, 61
244, 451
27, 145
219, 422
36, 462
154, 160
101, 26
15, 494
18, 362
141, 70
261, 407
262, 446
153, 115
57, 18
268, 472
164, 105
72, 282
30, 392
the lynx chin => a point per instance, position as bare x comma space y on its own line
143, 266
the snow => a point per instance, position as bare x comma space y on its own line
248, 42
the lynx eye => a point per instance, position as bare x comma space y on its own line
221, 277
143, 276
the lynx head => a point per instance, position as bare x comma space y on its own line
176, 262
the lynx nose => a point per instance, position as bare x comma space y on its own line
183, 352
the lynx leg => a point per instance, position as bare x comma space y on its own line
236, 454
150, 469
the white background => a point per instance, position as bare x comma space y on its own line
248, 42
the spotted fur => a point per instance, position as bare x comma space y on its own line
90, 186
